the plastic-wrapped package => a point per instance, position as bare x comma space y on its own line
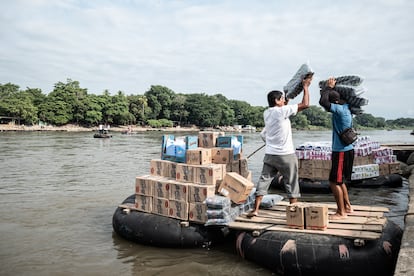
218, 202
218, 213
350, 80
294, 86
270, 200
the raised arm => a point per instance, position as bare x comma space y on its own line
305, 99
324, 100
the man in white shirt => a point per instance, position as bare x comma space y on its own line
280, 153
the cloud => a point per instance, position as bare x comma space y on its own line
236, 48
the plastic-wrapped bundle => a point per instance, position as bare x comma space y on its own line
356, 110
351, 80
294, 86
357, 101
270, 200
218, 202
347, 91
218, 213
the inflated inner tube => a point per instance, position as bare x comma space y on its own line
156, 230
293, 253
391, 180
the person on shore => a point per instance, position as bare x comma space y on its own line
279, 150
342, 155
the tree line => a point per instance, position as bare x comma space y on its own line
68, 103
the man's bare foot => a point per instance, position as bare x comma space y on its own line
252, 214
337, 217
349, 210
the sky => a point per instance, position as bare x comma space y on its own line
240, 49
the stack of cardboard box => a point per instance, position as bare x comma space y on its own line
192, 169
307, 216
371, 160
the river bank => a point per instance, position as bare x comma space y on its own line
77, 128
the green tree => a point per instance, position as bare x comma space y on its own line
160, 99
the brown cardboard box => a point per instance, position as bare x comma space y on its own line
236, 187
222, 155
162, 188
208, 174
178, 209
144, 185
179, 191
207, 139
160, 206
295, 216
143, 203
198, 156
316, 217
384, 169
185, 172
244, 169
395, 168
321, 174
199, 193
162, 168
198, 212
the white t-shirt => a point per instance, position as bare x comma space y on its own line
278, 129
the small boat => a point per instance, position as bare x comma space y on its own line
102, 133
310, 253
248, 128
412, 132
156, 230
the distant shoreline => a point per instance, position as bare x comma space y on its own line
76, 128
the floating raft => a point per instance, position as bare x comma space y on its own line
365, 243
366, 222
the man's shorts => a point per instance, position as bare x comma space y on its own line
342, 162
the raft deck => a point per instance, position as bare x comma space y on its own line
365, 222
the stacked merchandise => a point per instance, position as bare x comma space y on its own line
371, 160
294, 87
350, 89
202, 179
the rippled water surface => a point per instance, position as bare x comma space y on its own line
59, 191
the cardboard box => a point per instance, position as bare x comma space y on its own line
209, 174
199, 193
143, 203
236, 187
175, 148
185, 172
222, 155
395, 168
179, 191
234, 142
316, 217
207, 139
162, 188
160, 206
144, 185
295, 216
162, 168
198, 156
384, 169
197, 212
178, 209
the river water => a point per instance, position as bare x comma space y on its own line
59, 191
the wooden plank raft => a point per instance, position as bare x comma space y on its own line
365, 222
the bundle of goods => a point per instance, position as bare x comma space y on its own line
350, 89
202, 179
371, 160
294, 87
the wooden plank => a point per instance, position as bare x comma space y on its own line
333, 206
366, 235
331, 225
